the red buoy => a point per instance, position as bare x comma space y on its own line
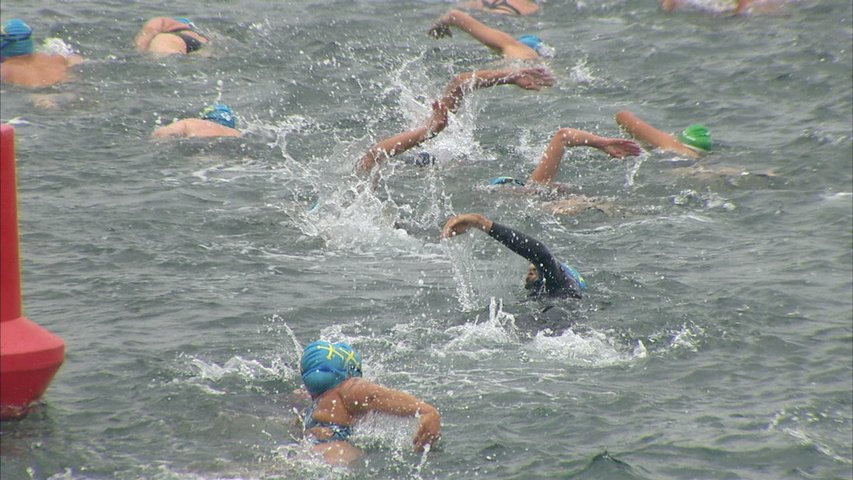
29, 354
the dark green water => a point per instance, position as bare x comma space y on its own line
715, 340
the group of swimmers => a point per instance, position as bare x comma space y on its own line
332, 372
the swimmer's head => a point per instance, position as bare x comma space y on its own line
15, 38
505, 181
325, 365
696, 136
537, 45
534, 282
220, 114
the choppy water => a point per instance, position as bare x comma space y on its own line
715, 341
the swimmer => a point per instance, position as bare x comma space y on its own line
22, 66
546, 275
692, 141
216, 121
545, 172
503, 7
164, 36
525, 47
331, 374
454, 92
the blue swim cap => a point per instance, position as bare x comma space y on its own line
15, 38
505, 180
186, 21
571, 272
220, 114
531, 41
325, 365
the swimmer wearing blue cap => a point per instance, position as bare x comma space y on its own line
23, 66
164, 36
331, 373
546, 276
216, 120
526, 47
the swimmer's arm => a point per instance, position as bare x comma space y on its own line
527, 247
363, 396
493, 38
152, 28
650, 135
403, 141
546, 171
526, 78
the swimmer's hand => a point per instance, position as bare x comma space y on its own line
440, 30
438, 121
619, 147
429, 430
532, 78
462, 223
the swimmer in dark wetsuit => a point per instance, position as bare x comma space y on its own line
503, 7
331, 373
546, 276
169, 36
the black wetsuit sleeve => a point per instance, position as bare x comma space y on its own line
556, 282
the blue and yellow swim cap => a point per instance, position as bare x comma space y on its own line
571, 272
219, 113
15, 38
696, 136
325, 365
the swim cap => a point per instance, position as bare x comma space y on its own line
505, 180
186, 21
531, 41
220, 114
571, 272
696, 136
15, 38
325, 365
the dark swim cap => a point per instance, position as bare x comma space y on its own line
220, 114
15, 38
325, 365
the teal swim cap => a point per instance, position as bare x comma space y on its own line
219, 113
325, 365
505, 180
186, 21
571, 272
531, 41
696, 136
15, 38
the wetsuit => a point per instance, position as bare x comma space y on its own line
554, 282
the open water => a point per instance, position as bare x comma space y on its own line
716, 339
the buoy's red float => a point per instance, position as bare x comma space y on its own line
29, 354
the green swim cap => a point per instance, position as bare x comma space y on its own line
696, 136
